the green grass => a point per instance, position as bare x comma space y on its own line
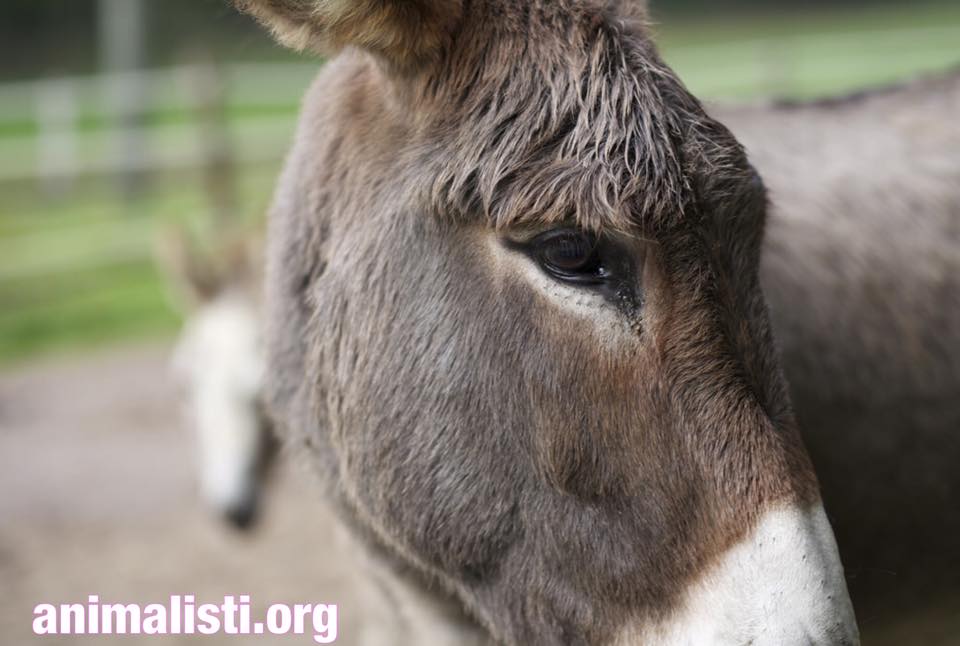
78, 272
87, 307
809, 54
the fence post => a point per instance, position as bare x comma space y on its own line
122, 37
56, 110
208, 89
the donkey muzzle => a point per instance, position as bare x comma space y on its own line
783, 585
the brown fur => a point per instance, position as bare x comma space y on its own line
558, 478
862, 271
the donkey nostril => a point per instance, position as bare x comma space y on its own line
241, 516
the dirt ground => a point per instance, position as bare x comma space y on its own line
97, 497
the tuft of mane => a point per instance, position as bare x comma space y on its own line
583, 124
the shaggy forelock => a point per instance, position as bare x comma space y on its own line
572, 116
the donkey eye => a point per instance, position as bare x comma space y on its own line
570, 255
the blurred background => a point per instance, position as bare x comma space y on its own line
116, 115
122, 118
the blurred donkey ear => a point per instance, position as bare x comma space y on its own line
406, 33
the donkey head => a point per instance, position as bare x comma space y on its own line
219, 364
515, 316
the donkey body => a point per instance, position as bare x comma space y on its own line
514, 317
861, 269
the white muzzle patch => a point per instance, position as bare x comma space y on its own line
783, 585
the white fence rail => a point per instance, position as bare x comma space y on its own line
56, 130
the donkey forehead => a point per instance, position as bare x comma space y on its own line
569, 116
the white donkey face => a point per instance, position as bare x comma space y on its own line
218, 358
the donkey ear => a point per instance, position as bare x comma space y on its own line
406, 33
190, 271
639, 9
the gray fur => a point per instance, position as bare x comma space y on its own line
861, 270
561, 475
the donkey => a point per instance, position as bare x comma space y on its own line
218, 360
918, 562
861, 267
514, 317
